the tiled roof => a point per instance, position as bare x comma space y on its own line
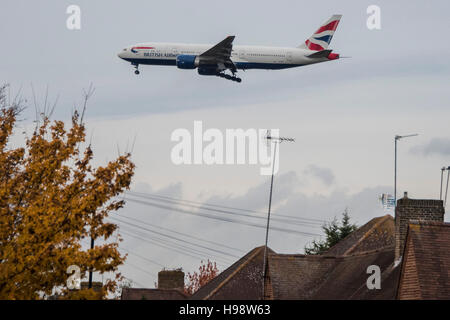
152, 294
241, 281
426, 262
376, 234
297, 276
339, 274
326, 277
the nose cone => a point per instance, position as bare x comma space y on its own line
121, 54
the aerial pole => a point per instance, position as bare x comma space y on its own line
442, 178
446, 189
395, 173
90, 270
276, 140
396, 138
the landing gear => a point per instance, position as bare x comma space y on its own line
229, 77
136, 66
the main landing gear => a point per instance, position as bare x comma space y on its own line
136, 66
229, 77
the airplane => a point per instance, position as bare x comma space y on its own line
215, 60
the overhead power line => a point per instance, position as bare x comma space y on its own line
176, 238
140, 269
221, 218
171, 246
175, 248
206, 204
181, 233
228, 212
142, 257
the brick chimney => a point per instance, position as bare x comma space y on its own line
413, 209
171, 279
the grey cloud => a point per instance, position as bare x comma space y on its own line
362, 206
436, 146
324, 174
256, 198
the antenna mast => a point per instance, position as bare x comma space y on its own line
276, 140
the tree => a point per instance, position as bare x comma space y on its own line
124, 284
206, 272
334, 233
51, 198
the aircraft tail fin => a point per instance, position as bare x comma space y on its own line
322, 37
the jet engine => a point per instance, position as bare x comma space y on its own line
185, 61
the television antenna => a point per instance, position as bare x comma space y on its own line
277, 140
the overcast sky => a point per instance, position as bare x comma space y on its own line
343, 114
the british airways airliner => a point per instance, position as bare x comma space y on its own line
215, 60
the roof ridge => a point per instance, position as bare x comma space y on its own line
368, 232
257, 250
288, 254
362, 253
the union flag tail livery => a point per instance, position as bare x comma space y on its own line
322, 37
218, 59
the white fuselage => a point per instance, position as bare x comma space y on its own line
244, 57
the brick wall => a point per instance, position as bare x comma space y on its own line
414, 209
171, 279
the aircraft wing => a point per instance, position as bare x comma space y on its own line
220, 54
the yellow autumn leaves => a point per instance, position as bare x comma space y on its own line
51, 197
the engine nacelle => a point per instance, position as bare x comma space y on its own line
185, 61
207, 71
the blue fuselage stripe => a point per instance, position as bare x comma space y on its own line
239, 65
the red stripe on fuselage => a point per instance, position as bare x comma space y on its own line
143, 48
331, 26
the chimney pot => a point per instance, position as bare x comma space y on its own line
405, 194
